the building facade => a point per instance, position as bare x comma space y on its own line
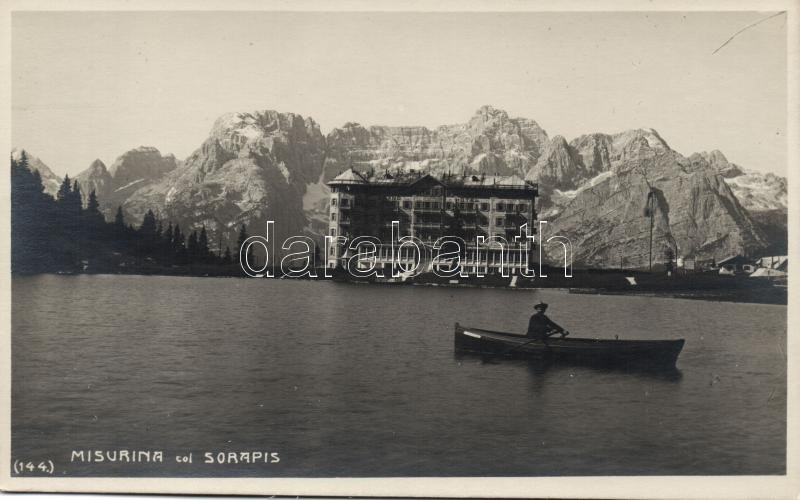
428, 208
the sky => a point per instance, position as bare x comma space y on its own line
89, 85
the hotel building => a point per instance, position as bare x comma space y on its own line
427, 208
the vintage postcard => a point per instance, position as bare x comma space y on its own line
421, 249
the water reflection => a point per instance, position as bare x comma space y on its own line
539, 368
543, 368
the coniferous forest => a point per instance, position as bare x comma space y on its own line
62, 235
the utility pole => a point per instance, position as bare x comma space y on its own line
650, 210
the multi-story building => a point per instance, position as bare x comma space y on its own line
428, 208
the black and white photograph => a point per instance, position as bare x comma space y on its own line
422, 249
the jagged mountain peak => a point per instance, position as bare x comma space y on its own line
253, 167
257, 134
95, 178
489, 117
714, 156
559, 167
716, 161
50, 180
640, 137
489, 111
489, 141
134, 169
97, 167
252, 124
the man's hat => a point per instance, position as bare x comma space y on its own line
540, 306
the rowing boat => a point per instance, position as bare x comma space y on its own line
613, 352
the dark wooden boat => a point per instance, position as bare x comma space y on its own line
612, 352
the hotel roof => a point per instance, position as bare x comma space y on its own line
349, 176
407, 178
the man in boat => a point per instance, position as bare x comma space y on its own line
541, 327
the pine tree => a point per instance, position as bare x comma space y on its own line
202, 245
242, 236
26, 182
120, 229
64, 190
159, 229
178, 240
167, 236
167, 252
240, 243
119, 219
179, 246
192, 248
93, 208
147, 236
33, 223
75, 200
23, 160
92, 227
669, 256
38, 180
148, 227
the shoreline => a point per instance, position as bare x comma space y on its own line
760, 293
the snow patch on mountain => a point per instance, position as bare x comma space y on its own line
126, 186
570, 194
759, 192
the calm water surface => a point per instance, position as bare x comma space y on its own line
349, 380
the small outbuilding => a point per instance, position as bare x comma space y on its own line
737, 264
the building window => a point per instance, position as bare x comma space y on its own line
333, 231
499, 207
333, 251
345, 202
499, 221
522, 207
406, 204
485, 207
436, 205
333, 216
333, 202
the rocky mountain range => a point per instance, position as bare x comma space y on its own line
489, 142
267, 165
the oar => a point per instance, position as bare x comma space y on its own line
509, 351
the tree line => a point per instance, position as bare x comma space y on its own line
61, 234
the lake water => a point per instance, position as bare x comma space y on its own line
358, 380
